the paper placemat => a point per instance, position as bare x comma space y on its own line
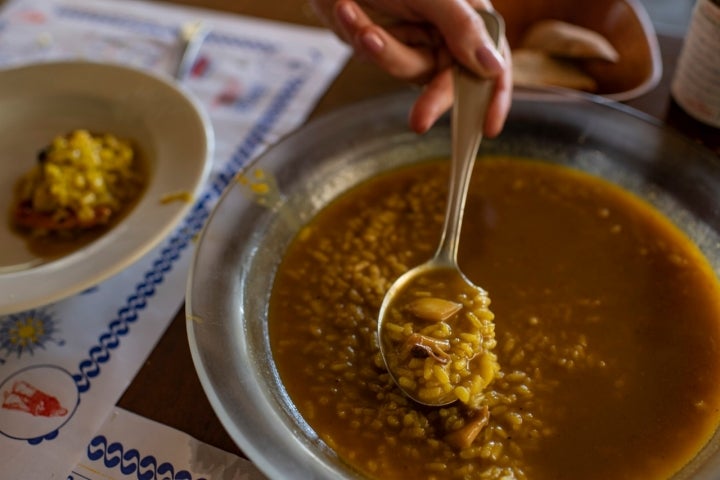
118, 452
64, 366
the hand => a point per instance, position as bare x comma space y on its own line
418, 41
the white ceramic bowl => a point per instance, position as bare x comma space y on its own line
41, 101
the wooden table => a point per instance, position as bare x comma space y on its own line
167, 388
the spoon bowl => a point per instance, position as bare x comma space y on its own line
437, 335
434, 327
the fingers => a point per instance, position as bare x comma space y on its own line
437, 98
400, 49
411, 51
323, 10
386, 50
433, 102
465, 34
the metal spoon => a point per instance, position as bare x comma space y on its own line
192, 35
472, 96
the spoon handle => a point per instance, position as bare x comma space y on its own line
192, 36
472, 96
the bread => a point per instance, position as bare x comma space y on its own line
533, 68
566, 40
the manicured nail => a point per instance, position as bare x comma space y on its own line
490, 60
347, 14
373, 42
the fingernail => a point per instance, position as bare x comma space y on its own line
373, 42
490, 60
347, 14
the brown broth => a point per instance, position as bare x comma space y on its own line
607, 320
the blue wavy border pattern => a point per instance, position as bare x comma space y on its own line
90, 367
137, 25
130, 462
133, 24
101, 353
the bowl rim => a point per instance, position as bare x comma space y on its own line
145, 226
279, 453
655, 59
656, 66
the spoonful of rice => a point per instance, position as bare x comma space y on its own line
435, 329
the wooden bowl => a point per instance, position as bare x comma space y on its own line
625, 24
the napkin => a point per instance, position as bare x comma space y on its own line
117, 451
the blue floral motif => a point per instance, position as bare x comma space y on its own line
24, 332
